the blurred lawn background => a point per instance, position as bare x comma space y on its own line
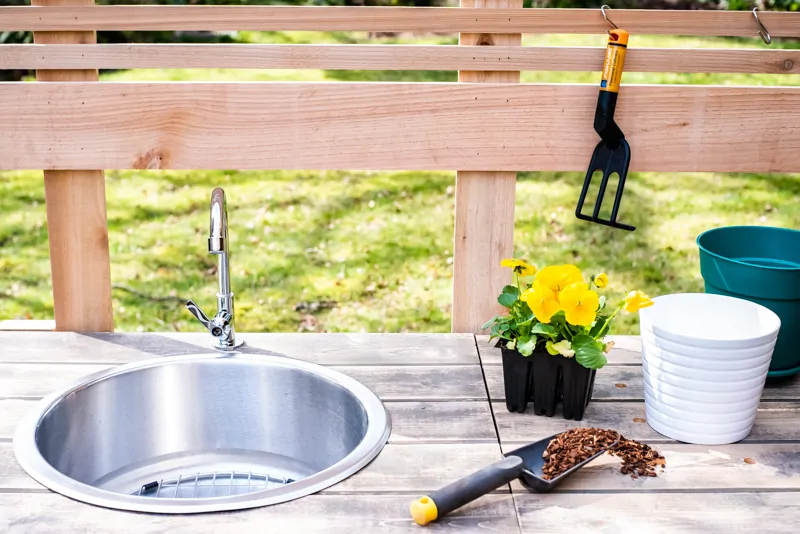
372, 251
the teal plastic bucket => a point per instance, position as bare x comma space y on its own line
760, 264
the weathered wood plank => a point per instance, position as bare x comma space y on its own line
412, 422
776, 421
326, 349
627, 350
709, 513
607, 380
398, 468
390, 126
698, 467
423, 468
77, 229
342, 514
463, 382
484, 203
398, 19
392, 57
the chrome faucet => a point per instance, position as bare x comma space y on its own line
221, 326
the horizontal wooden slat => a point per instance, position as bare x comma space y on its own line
391, 57
775, 421
391, 126
315, 514
463, 382
411, 19
659, 513
626, 383
412, 422
327, 349
399, 467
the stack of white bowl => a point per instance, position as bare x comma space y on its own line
705, 360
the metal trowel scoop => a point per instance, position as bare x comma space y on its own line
525, 463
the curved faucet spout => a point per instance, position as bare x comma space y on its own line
221, 326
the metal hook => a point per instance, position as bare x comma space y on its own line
613, 26
763, 33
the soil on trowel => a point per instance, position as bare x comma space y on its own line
570, 448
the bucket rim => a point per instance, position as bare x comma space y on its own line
740, 262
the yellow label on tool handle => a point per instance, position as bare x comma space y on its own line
615, 59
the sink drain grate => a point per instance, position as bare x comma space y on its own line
205, 485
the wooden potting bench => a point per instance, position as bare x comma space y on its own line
444, 392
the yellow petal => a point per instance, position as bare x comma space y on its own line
580, 316
508, 262
636, 300
601, 280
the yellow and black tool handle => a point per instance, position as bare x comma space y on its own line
442, 502
609, 87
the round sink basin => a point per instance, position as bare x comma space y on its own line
202, 433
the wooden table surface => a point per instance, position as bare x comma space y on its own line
445, 396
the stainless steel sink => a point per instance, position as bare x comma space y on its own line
202, 433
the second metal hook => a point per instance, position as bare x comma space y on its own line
608, 20
763, 33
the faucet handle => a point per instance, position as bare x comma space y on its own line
195, 310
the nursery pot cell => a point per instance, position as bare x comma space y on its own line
548, 381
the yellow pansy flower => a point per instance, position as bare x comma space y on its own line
601, 280
557, 277
636, 300
579, 304
541, 301
520, 267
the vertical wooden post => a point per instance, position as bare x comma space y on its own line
76, 217
484, 222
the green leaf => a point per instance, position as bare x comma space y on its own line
525, 346
511, 290
511, 344
545, 330
599, 324
504, 327
488, 323
507, 299
602, 303
588, 352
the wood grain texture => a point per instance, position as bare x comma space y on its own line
391, 126
392, 57
398, 468
708, 513
77, 228
398, 19
323, 514
412, 422
390, 383
326, 349
627, 350
775, 421
607, 378
484, 203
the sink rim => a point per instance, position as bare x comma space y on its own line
26, 449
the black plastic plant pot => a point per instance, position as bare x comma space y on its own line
557, 379
517, 370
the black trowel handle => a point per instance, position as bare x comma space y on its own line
443, 501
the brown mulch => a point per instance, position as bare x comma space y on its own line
576, 445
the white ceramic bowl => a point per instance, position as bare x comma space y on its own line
705, 360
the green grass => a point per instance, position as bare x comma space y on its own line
359, 251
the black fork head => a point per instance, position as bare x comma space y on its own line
609, 161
